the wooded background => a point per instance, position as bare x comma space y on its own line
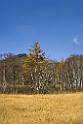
34, 73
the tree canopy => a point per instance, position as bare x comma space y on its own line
35, 73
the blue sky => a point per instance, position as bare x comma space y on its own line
56, 24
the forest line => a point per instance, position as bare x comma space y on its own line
35, 73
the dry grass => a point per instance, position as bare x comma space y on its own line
41, 109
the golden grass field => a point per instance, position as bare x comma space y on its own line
41, 109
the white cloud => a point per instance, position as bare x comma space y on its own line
76, 40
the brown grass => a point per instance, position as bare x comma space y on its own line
41, 109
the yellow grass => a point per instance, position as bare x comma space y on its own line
41, 109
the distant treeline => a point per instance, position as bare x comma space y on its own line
34, 73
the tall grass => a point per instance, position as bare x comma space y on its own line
41, 109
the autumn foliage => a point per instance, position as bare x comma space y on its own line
35, 73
